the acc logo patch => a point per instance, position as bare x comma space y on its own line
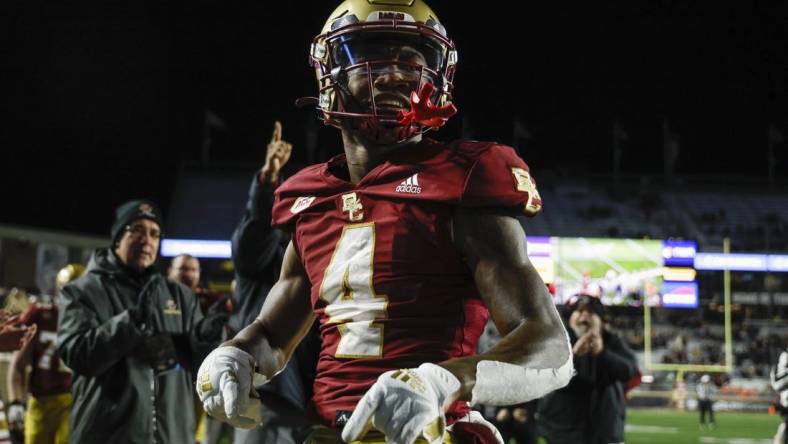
301, 204
526, 184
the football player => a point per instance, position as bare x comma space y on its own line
44, 417
400, 246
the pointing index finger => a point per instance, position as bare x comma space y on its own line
277, 132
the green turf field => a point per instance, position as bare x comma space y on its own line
672, 427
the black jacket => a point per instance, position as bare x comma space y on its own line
118, 397
590, 409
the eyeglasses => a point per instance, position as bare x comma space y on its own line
139, 231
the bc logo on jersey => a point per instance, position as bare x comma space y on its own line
525, 183
352, 206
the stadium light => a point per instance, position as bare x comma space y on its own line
196, 248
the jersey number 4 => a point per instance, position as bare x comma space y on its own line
348, 291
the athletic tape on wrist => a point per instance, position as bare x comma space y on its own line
501, 383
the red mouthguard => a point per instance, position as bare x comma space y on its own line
424, 112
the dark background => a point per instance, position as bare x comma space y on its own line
107, 101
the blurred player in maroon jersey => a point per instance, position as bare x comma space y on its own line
399, 248
45, 418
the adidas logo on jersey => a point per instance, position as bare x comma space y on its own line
409, 185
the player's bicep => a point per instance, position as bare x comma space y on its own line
494, 247
287, 313
284, 319
533, 336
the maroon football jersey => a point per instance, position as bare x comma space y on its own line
50, 375
388, 286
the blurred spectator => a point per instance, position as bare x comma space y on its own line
706, 390
45, 420
185, 269
591, 408
132, 339
257, 253
517, 423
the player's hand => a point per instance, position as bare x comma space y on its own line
16, 336
16, 415
224, 385
277, 154
405, 405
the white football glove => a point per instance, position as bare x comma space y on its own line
224, 385
16, 415
405, 405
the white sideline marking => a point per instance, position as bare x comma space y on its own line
635, 428
649, 429
712, 440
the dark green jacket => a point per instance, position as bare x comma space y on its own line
118, 397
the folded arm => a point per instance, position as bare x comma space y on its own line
534, 342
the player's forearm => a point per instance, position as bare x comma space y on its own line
16, 379
17, 389
534, 356
283, 322
532, 332
531, 346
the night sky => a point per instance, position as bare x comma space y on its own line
106, 101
